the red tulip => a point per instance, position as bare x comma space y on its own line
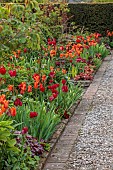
42, 88
55, 95
18, 102
63, 81
65, 88
54, 91
78, 40
79, 60
2, 70
57, 63
33, 114
54, 86
51, 98
12, 73
25, 50
61, 48
24, 130
52, 74
70, 61
66, 115
50, 81
51, 42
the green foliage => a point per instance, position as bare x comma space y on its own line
12, 158
21, 26
55, 17
29, 25
41, 126
92, 17
66, 99
21, 161
111, 44
7, 141
97, 62
99, 49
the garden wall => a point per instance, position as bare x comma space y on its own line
94, 17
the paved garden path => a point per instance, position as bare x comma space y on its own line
87, 141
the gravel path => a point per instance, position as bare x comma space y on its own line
94, 147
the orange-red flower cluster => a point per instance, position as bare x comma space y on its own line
3, 104
12, 111
109, 34
36, 78
22, 87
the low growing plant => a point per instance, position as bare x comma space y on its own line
13, 156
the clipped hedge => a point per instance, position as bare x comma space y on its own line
94, 17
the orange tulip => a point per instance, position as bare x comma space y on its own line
49, 47
43, 78
70, 55
51, 68
52, 53
19, 51
13, 111
35, 85
22, 87
15, 54
78, 53
10, 87
2, 98
58, 69
29, 88
1, 112
11, 57
109, 34
66, 55
64, 71
61, 55
6, 103
37, 78
3, 104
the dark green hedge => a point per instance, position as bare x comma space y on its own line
95, 17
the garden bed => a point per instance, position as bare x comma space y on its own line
40, 100
41, 80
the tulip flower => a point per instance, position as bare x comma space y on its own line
25, 50
2, 70
18, 102
33, 114
12, 73
24, 130
29, 88
65, 88
63, 81
13, 111
42, 88
10, 87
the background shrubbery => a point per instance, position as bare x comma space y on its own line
92, 17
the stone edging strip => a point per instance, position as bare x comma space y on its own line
64, 138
